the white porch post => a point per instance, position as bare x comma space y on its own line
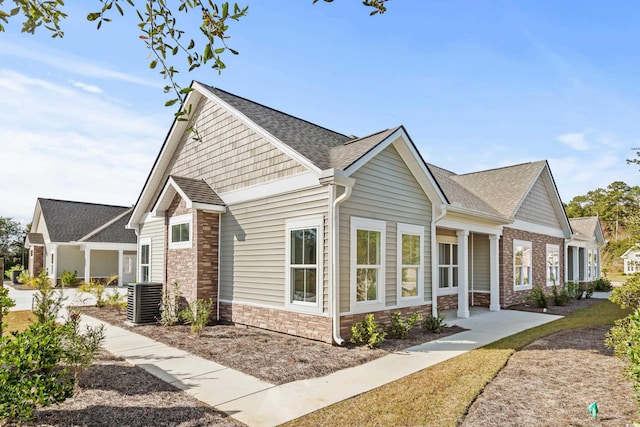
87, 265
54, 264
494, 269
120, 266
463, 273
598, 272
565, 261
576, 264
585, 264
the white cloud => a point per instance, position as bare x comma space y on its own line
576, 141
87, 87
66, 143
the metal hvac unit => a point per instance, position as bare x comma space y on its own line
143, 302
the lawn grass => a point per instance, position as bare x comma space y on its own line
440, 395
18, 320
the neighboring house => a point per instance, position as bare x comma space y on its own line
292, 227
86, 238
583, 251
632, 259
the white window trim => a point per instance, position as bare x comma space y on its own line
372, 225
513, 263
144, 241
415, 230
556, 248
451, 290
296, 224
176, 220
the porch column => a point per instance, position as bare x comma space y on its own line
585, 264
87, 265
463, 273
494, 269
120, 266
576, 264
54, 264
565, 263
598, 272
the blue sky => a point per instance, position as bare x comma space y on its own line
477, 84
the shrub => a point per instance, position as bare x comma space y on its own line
25, 279
95, 289
367, 332
602, 284
9, 272
170, 306
574, 290
537, 296
434, 324
400, 327
5, 304
47, 301
69, 279
627, 295
197, 314
115, 299
624, 338
80, 349
560, 298
587, 288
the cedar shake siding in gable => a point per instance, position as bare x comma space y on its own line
253, 241
537, 208
385, 190
229, 155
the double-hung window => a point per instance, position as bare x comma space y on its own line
553, 265
145, 260
304, 270
522, 256
447, 265
410, 261
368, 239
180, 231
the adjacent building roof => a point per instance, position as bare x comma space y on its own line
69, 221
587, 228
35, 239
197, 190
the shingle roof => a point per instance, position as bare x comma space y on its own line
344, 155
584, 227
504, 188
69, 221
115, 232
198, 191
35, 238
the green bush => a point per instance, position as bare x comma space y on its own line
97, 290
80, 349
538, 297
602, 284
627, 295
115, 299
367, 332
69, 279
624, 338
25, 279
197, 314
170, 306
400, 327
5, 304
47, 301
560, 298
574, 290
434, 324
587, 288
8, 272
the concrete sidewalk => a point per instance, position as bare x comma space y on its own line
258, 403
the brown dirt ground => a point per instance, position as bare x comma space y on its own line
270, 356
552, 382
115, 393
573, 305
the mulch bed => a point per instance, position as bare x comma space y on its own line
115, 393
552, 382
272, 357
573, 305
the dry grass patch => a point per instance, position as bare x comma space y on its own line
18, 320
440, 395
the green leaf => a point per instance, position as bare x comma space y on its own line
93, 16
153, 64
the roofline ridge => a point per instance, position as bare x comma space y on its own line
273, 109
503, 167
351, 141
441, 168
84, 203
105, 225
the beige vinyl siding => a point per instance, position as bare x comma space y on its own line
537, 207
253, 240
42, 228
479, 262
229, 156
104, 263
385, 190
155, 231
70, 258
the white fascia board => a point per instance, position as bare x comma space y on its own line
518, 224
260, 131
109, 246
402, 143
208, 207
178, 128
466, 225
477, 215
272, 188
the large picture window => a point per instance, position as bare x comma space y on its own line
304, 237
553, 265
367, 260
447, 265
522, 256
180, 232
145, 260
410, 261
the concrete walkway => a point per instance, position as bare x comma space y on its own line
258, 403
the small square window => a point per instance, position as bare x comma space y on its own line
180, 232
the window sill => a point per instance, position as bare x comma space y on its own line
522, 288
180, 245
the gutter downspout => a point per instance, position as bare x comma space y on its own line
434, 258
219, 246
335, 293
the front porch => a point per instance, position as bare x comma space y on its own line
583, 262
